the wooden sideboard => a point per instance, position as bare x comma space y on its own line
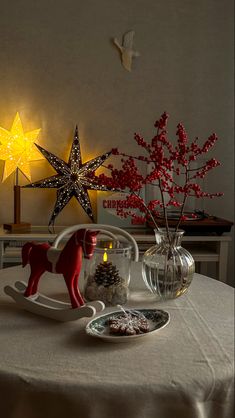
204, 248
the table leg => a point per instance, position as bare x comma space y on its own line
221, 266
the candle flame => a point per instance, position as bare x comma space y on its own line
105, 257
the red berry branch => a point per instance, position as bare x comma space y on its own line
168, 163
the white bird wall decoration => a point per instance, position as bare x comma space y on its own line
126, 49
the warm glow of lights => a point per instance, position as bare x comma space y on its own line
17, 149
105, 257
110, 245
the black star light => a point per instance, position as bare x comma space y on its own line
72, 179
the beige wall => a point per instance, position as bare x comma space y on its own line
58, 67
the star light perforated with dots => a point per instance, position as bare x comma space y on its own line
73, 179
17, 149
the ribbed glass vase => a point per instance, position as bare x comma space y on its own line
167, 267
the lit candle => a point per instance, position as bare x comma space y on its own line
105, 257
106, 272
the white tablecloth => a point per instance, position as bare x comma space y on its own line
54, 370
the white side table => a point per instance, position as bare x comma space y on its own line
204, 248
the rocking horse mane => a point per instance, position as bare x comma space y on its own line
79, 236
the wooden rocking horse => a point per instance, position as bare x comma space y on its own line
43, 257
68, 262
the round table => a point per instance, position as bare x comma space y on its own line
52, 369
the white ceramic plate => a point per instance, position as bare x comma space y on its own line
98, 327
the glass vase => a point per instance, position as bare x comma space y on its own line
107, 274
167, 267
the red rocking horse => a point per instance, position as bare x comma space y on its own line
68, 261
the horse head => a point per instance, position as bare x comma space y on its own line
88, 239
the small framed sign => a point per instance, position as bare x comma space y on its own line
107, 205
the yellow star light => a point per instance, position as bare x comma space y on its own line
17, 149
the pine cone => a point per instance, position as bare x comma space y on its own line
106, 274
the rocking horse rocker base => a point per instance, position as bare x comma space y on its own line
51, 308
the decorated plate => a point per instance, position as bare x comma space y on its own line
100, 326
